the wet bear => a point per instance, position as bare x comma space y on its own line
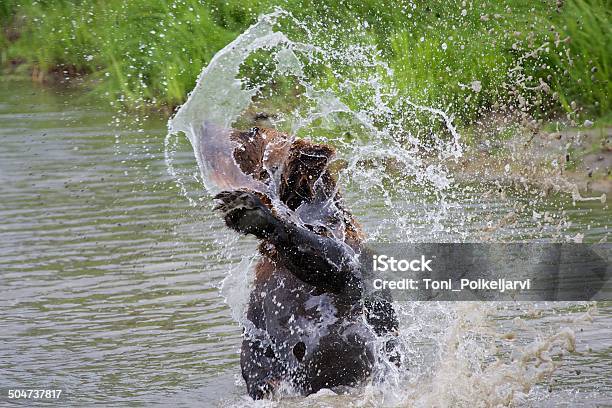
311, 321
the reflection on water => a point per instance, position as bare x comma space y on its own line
109, 278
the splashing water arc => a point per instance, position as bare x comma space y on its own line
220, 98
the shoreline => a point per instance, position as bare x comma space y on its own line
574, 161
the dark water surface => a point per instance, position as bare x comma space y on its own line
109, 278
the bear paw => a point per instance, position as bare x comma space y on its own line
245, 212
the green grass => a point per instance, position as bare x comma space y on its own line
150, 52
587, 75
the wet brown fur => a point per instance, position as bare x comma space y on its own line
295, 268
302, 163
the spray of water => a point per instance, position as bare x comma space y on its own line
393, 157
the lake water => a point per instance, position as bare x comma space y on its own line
109, 278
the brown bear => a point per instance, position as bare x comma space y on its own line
311, 321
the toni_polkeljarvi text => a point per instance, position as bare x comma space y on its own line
500, 285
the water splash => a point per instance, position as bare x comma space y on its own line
369, 130
391, 150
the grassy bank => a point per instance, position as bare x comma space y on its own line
546, 58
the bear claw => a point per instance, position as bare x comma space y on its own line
244, 212
228, 201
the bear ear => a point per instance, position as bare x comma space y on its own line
303, 146
248, 150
